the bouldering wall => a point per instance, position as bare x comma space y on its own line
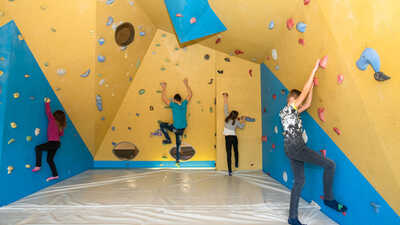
24, 123
115, 74
61, 36
136, 120
362, 108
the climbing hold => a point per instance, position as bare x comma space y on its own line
301, 41
99, 103
13, 125
324, 62
113, 128
109, 2
285, 176
370, 57
276, 129
129, 128
163, 68
277, 67
37, 131
376, 207
315, 81
46, 64
271, 25
101, 82
101, 58
156, 133
306, 2
268, 58
110, 21
251, 73
265, 110
28, 138
193, 20
27, 166
20, 37
206, 56
16, 95
273, 146
12, 140
274, 54
290, 23
301, 27
323, 152
227, 59
249, 119
321, 114
380, 76
131, 3
211, 81
142, 91
151, 108
27, 75
340, 79
10, 169
305, 137
283, 92
179, 15
337, 131
220, 71
274, 96
61, 71
102, 118
53, 29
264, 139
101, 41
238, 52
218, 40
138, 63
142, 33
85, 74
253, 59
211, 109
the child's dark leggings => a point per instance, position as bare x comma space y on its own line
51, 148
230, 141
299, 153
165, 127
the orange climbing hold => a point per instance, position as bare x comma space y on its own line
306, 2
179, 15
290, 23
238, 52
324, 62
274, 96
337, 131
321, 114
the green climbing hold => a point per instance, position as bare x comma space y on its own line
28, 138
138, 63
53, 29
199, 102
176, 49
142, 91
158, 91
164, 157
46, 64
158, 45
162, 68
211, 109
340, 206
163, 35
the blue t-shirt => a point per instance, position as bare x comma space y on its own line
179, 114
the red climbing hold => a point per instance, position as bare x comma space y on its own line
179, 15
338, 132
218, 40
323, 153
193, 20
321, 197
265, 109
324, 62
238, 52
268, 58
344, 213
273, 146
251, 73
290, 23
306, 2
274, 96
340, 79
301, 41
316, 83
264, 138
321, 114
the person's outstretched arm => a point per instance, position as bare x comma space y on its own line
188, 89
48, 109
164, 93
226, 107
307, 104
307, 87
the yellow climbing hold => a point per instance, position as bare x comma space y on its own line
28, 138
20, 37
12, 140
27, 76
1, 73
43, 7
27, 166
16, 95
13, 125
10, 169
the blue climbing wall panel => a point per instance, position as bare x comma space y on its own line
27, 112
207, 22
350, 185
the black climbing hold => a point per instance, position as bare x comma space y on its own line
227, 59
380, 76
151, 108
206, 56
220, 71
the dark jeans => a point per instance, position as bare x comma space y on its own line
230, 141
51, 147
165, 127
299, 153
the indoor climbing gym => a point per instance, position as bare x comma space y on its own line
199, 112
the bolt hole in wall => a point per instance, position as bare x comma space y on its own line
124, 34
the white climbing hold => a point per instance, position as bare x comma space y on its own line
305, 137
285, 176
274, 54
101, 82
276, 129
10, 169
61, 71
37, 131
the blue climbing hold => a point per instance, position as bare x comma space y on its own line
99, 103
301, 27
110, 21
271, 25
277, 67
101, 41
101, 58
85, 74
250, 119
109, 2
369, 57
142, 33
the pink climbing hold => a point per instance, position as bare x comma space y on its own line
344, 213
193, 20
337, 131
179, 15
301, 41
321, 114
218, 40
340, 79
238, 52
251, 73
290, 23
306, 2
324, 62
316, 82
323, 153
264, 138
274, 96
273, 146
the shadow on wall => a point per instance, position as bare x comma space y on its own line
365, 205
24, 123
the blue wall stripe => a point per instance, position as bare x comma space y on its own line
152, 164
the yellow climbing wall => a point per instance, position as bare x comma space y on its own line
366, 111
165, 61
114, 76
61, 35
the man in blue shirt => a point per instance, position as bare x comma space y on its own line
179, 109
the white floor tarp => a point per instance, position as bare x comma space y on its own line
161, 197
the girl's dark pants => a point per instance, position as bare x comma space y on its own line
51, 147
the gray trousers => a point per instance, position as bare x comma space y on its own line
299, 153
